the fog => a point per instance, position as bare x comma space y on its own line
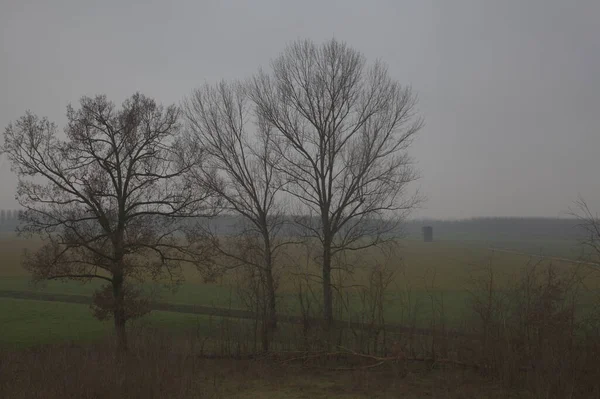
510, 91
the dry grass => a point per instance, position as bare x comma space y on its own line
451, 262
154, 368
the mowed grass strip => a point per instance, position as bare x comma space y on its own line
25, 322
29, 322
186, 293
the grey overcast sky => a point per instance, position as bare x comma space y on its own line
510, 90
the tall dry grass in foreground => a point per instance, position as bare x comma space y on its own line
155, 367
162, 366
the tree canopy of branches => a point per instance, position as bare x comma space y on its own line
240, 168
108, 200
342, 131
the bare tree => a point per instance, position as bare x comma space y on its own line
241, 170
590, 225
109, 200
343, 130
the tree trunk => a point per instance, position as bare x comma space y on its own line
271, 301
266, 335
119, 314
270, 311
327, 295
269, 317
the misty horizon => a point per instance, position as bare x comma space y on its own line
509, 91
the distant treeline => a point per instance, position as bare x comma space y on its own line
481, 228
499, 228
488, 228
9, 219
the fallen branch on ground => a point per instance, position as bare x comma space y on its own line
305, 357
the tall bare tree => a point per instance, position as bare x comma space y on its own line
343, 131
109, 200
241, 170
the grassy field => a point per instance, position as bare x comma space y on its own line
440, 272
28, 322
443, 265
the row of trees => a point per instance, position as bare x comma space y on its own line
318, 142
9, 215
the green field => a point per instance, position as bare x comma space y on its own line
30, 322
439, 273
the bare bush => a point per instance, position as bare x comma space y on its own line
371, 312
530, 334
590, 227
